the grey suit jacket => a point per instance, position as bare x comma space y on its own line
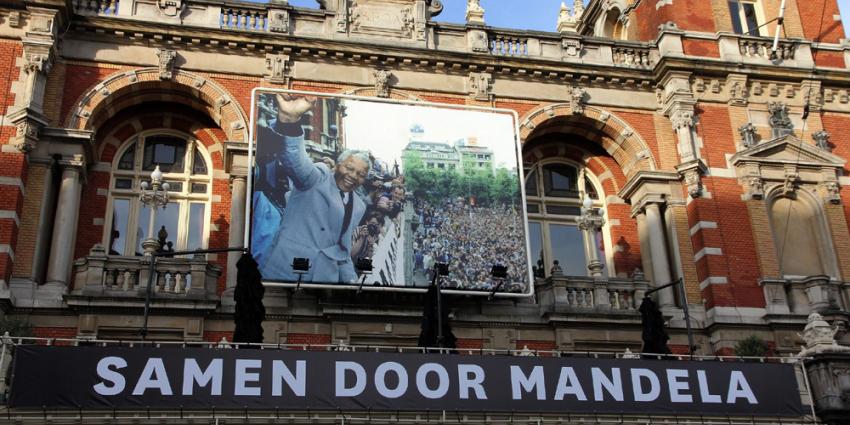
312, 222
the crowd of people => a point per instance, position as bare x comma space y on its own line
384, 194
471, 239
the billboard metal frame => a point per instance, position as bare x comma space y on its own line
356, 287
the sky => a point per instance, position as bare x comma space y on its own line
540, 15
495, 131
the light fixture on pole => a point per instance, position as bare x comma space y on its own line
300, 266
154, 195
589, 222
499, 273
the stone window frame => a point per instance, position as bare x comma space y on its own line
544, 218
184, 197
826, 249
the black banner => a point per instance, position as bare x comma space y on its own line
191, 378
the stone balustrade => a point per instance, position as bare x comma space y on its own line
815, 294
579, 293
334, 25
101, 275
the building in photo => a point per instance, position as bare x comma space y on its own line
663, 141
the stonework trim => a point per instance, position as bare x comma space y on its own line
707, 251
221, 106
701, 225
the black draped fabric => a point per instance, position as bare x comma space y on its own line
248, 296
654, 336
428, 337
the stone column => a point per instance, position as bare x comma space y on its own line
65, 224
45, 223
237, 225
658, 249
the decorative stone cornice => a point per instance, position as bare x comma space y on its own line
28, 125
649, 187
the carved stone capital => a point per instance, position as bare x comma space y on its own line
28, 126
682, 118
37, 63
479, 86
166, 63
736, 85
691, 174
753, 187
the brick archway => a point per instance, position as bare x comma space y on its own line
620, 140
133, 87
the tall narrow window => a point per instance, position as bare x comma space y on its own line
185, 166
746, 17
555, 191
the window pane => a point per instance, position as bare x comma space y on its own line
120, 219
531, 184
533, 208
167, 217
199, 166
568, 248
750, 16
123, 183
590, 189
563, 210
167, 151
535, 240
199, 188
560, 180
196, 226
175, 186
129, 157
734, 13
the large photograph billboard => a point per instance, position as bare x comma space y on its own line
339, 179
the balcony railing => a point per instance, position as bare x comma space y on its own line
560, 293
101, 275
801, 297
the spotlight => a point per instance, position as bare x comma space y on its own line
300, 266
442, 269
364, 266
499, 271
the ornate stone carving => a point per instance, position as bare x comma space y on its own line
682, 119
822, 140
279, 21
166, 63
26, 136
754, 187
382, 18
474, 12
572, 47
831, 192
37, 62
577, 100
171, 8
791, 184
568, 21
820, 337
480, 87
14, 19
780, 122
478, 41
691, 173
738, 93
382, 82
277, 67
748, 135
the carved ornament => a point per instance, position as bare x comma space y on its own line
382, 82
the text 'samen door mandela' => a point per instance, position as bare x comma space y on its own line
338, 180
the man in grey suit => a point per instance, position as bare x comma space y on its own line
322, 210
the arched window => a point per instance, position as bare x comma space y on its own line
613, 26
555, 191
800, 235
185, 166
